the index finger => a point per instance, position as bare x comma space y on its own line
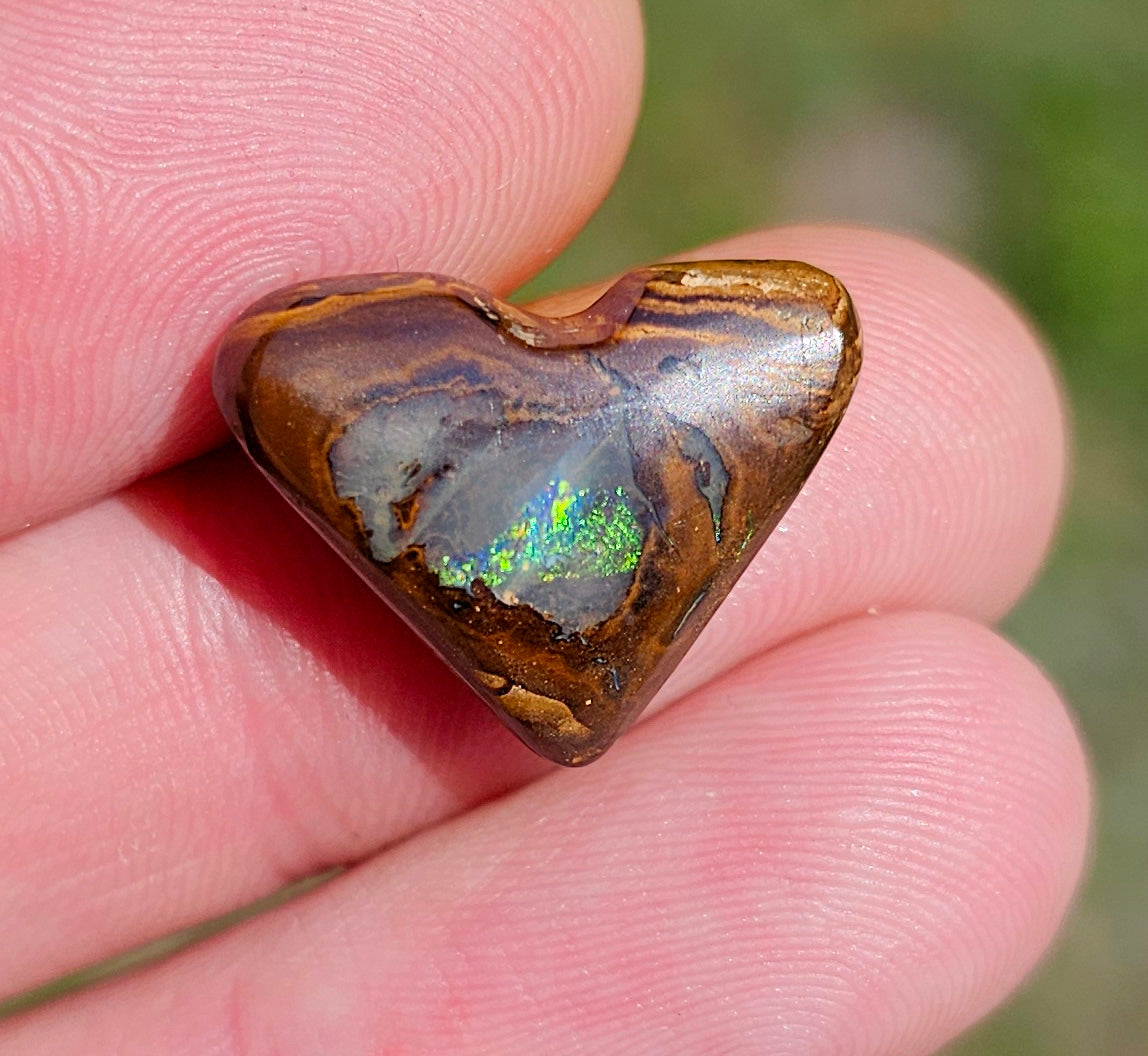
163, 164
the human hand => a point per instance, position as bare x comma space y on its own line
859, 816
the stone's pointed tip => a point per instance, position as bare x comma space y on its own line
556, 505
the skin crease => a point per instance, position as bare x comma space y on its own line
849, 833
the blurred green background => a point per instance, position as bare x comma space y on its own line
1015, 133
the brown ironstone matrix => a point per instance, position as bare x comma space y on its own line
556, 505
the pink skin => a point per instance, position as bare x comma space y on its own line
844, 832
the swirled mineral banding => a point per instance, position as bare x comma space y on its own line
556, 505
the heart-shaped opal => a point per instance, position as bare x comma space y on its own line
556, 505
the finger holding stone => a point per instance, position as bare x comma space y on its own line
942, 486
859, 842
162, 164
202, 702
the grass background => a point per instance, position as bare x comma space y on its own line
1015, 132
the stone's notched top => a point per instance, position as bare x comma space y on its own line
556, 505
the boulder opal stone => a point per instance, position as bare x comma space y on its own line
556, 505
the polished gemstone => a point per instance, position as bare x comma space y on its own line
557, 505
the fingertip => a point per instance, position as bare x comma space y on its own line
942, 487
896, 809
957, 386
962, 385
173, 162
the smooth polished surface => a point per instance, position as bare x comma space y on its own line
557, 505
